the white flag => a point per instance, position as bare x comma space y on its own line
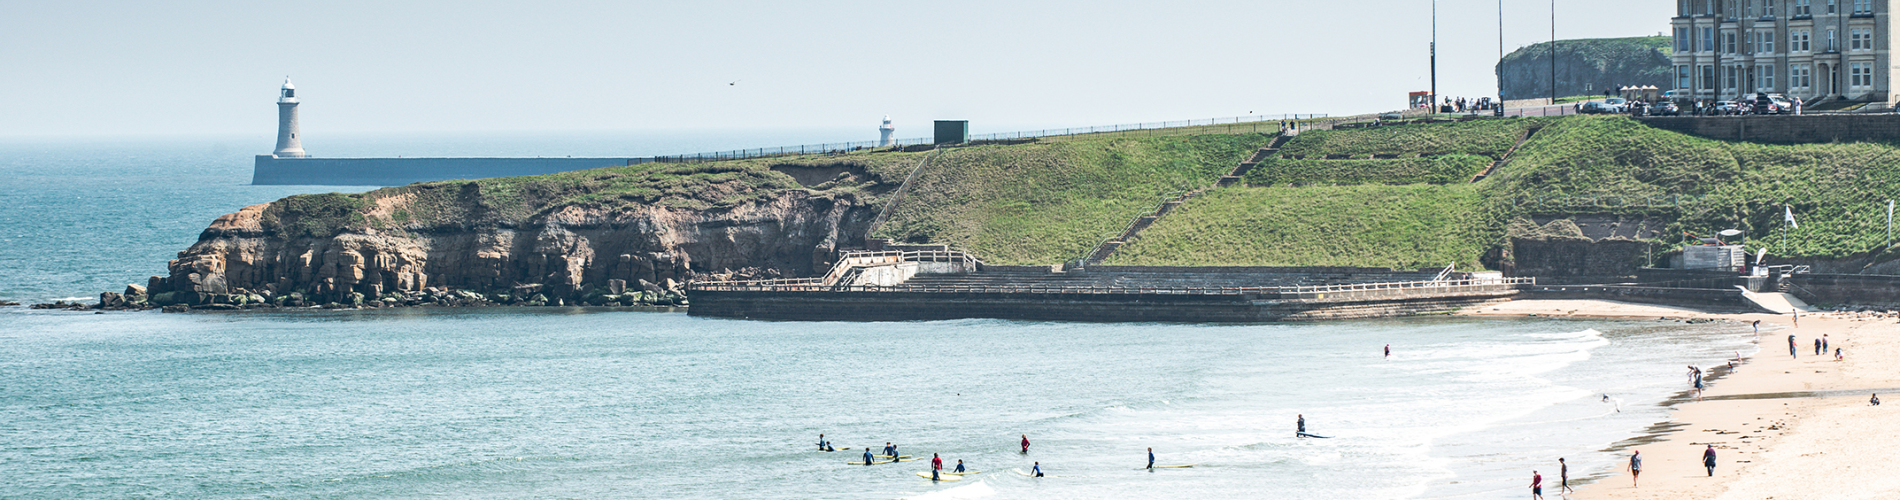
1789, 213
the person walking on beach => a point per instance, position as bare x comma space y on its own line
1698, 385
1635, 466
1563, 474
1823, 343
1818, 349
1151, 458
1537, 486
1757, 325
1708, 459
1025, 444
1792, 352
936, 466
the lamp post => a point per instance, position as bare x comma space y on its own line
1434, 51
1499, 111
1553, 52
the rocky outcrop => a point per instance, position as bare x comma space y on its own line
357, 249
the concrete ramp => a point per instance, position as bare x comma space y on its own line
1779, 303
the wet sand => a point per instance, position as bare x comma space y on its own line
1783, 427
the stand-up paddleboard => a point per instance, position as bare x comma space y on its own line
942, 477
1305, 435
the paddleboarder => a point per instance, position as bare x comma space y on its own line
1151, 458
936, 465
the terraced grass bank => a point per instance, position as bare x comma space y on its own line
1407, 212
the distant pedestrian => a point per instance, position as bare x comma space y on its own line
1563, 474
1757, 326
1874, 401
1635, 466
1793, 351
1818, 348
1708, 460
1823, 343
1797, 318
1837, 354
1537, 486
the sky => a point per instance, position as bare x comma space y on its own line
78, 68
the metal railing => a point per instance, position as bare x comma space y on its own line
806, 149
1094, 289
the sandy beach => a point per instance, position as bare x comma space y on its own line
1783, 427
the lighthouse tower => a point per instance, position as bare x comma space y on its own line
884, 133
288, 145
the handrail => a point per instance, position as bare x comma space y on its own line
1117, 289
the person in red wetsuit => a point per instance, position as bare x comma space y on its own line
1025, 444
936, 465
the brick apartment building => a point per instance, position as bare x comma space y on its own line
1802, 48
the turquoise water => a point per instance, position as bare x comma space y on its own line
570, 403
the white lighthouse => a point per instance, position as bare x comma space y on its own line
288, 145
884, 133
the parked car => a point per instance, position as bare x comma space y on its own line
1391, 115
1724, 107
1594, 107
1618, 104
1664, 108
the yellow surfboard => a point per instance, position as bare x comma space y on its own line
942, 477
965, 473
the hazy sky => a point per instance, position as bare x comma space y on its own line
88, 68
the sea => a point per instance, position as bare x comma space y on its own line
604, 403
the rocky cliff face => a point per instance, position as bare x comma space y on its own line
562, 245
1586, 67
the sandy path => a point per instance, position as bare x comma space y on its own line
1823, 442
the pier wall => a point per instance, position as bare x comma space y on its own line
272, 170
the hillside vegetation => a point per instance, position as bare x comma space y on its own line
1043, 203
1608, 165
1586, 66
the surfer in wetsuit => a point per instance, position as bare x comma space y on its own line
1388, 351
867, 456
1025, 444
1302, 424
1151, 458
936, 465
1036, 470
890, 449
959, 465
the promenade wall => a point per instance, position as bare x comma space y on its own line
272, 170
1086, 307
1845, 289
1788, 129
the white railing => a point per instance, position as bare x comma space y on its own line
1447, 286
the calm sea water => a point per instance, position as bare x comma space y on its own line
569, 403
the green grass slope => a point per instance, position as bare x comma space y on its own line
1049, 202
1838, 192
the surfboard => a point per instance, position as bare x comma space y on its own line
1305, 435
942, 477
873, 463
1170, 466
965, 473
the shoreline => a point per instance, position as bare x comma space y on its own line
1782, 427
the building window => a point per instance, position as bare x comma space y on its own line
1728, 43
1682, 40
1831, 45
1800, 8
1767, 8
1765, 73
1767, 42
1830, 6
1798, 41
1708, 77
1683, 79
1799, 77
1860, 75
1708, 40
1860, 39
1728, 78
1863, 6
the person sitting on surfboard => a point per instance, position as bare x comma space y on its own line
959, 465
1151, 457
1025, 443
1036, 470
936, 464
867, 456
